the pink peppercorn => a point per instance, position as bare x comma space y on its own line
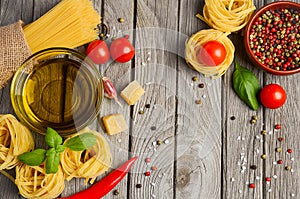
147, 173
153, 168
148, 160
252, 185
268, 179
277, 126
279, 162
290, 151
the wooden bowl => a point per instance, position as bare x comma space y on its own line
258, 13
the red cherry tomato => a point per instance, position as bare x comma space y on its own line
98, 52
212, 53
272, 96
121, 50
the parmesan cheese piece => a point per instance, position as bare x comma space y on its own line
114, 123
132, 93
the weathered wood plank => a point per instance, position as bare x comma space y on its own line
10, 12
120, 75
286, 185
155, 69
198, 172
242, 141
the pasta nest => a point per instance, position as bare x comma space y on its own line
89, 163
15, 139
227, 15
33, 182
197, 40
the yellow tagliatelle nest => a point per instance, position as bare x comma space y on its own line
87, 164
199, 39
15, 139
33, 182
227, 15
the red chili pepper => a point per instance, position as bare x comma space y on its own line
105, 185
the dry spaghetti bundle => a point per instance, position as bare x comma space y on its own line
87, 164
15, 139
70, 24
227, 15
197, 40
33, 182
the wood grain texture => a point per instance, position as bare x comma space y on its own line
155, 70
198, 172
204, 153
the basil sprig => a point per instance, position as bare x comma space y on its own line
52, 155
246, 85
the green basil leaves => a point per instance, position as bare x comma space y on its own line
52, 155
246, 85
81, 142
52, 138
33, 158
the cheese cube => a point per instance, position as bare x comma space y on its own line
114, 123
132, 93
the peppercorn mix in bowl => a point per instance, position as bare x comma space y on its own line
272, 38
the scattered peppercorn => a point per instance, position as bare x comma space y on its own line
148, 160
268, 179
252, 121
232, 117
263, 156
252, 185
263, 132
280, 139
153, 128
254, 117
126, 36
141, 112
277, 126
116, 192
195, 78
147, 105
101, 35
278, 149
158, 142
288, 168
198, 101
290, 151
153, 168
147, 173
253, 167
121, 20
201, 85
138, 186
280, 162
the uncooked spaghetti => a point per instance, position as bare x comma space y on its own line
87, 164
227, 15
199, 39
33, 182
15, 139
70, 24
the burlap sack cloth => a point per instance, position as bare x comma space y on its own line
13, 50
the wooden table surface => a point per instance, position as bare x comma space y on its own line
204, 153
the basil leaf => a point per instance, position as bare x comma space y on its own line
33, 158
59, 148
246, 85
52, 162
81, 142
52, 138
50, 152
